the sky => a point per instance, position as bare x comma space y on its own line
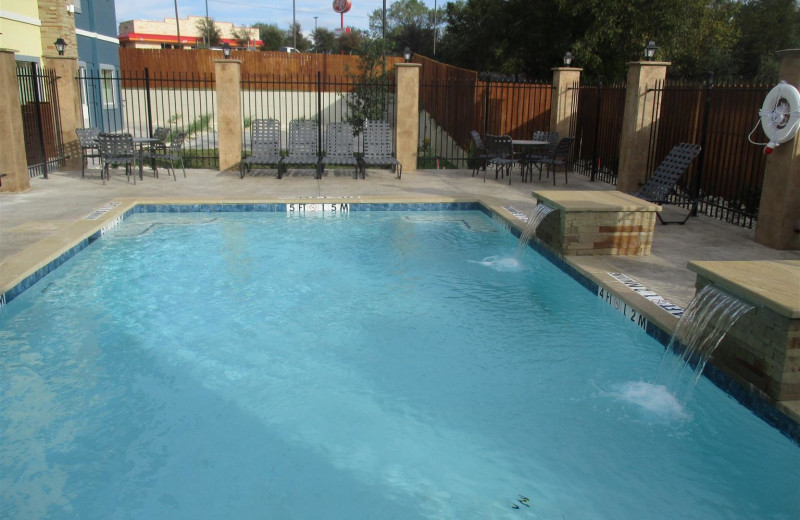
247, 12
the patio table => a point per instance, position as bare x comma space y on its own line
141, 141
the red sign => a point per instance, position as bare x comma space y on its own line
342, 6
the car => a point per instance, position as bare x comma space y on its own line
288, 49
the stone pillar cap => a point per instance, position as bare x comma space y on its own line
408, 64
227, 61
650, 63
576, 69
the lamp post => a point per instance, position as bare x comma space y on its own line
226, 50
568, 59
650, 50
60, 44
407, 54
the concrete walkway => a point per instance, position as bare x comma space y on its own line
64, 198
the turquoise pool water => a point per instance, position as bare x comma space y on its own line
382, 365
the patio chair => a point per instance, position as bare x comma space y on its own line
558, 157
378, 149
501, 150
663, 181
534, 156
303, 146
172, 153
87, 138
481, 154
116, 149
265, 146
339, 147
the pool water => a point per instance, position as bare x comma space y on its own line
375, 365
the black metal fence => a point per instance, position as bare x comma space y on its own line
450, 109
41, 119
597, 128
315, 97
139, 102
725, 182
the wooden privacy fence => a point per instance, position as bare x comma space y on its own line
197, 62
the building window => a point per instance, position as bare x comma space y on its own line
107, 87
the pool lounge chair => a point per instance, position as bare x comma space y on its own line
664, 179
339, 149
265, 146
303, 146
378, 150
481, 155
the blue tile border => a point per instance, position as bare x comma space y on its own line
755, 403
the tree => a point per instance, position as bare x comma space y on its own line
303, 44
324, 40
409, 23
765, 26
242, 37
370, 99
351, 42
209, 32
270, 35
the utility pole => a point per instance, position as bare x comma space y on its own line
315, 23
208, 28
434, 27
178, 25
294, 25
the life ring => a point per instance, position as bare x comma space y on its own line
780, 115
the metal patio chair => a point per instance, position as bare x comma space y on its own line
378, 149
558, 157
265, 146
87, 138
339, 146
481, 154
534, 157
116, 149
664, 180
501, 150
303, 146
173, 152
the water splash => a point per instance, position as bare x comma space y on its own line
500, 263
653, 399
536, 217
709, 316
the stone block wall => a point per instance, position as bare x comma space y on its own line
599, 233
762, 350
57, 23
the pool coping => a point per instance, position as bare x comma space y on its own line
23, 270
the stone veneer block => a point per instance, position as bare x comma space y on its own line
597, 223
762, 350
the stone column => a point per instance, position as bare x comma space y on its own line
69, 106
778, 223
637, 121
562, 105
407, 112
229, 113
13, 161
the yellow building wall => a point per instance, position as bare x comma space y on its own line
19, 25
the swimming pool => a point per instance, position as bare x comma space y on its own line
356, 365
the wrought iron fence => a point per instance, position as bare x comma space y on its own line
725, 182
451, 108
41, 119
597, 127
323, 99
139, 102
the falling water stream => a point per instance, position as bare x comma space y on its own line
709, 316
536, 217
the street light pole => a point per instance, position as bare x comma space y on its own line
294, 25
434, 27
208, 28
178, 25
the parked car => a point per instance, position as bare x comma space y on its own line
288, 49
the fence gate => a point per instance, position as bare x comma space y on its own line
597, 127
41, 120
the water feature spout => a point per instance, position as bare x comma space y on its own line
709, 316
536, 217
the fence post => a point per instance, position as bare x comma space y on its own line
698, 172
595, 151
561, 104
407, 112
639, 116
229, 112
778, 224
69, 106
148, 104
486, 107
13, 161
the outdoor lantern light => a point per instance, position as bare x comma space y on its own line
60, 44
407, 54
568, 59
650, 50
226, 50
